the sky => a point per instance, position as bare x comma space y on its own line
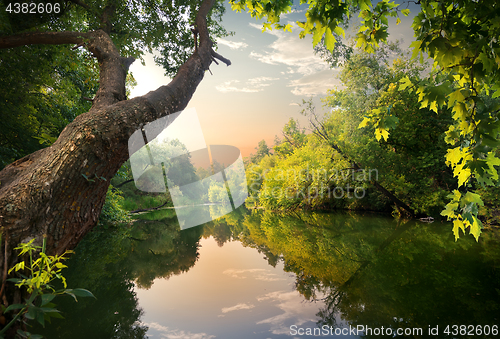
271, 73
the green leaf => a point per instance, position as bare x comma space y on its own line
417, 44
463, 176
238, 7
457, 96
492, 161
57, 315
69, 292
50, 305
318, 33
329, 40
17, 267
457, 155
32, 297
365, 122
473, 197
31, 314
81, 292
14, 307
339, 31
40, 316
364, 5
458, 225
476, 227
405, 83
266, 26
433, 107
60, 265
381, 133
46, 298
449, 210
467, 218
390, 121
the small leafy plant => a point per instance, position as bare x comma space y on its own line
41, 273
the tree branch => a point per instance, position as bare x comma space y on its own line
44, 38
123, 183
149, 209
176, 95
105, 17
81, 4
220, 57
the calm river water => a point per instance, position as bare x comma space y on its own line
262, 275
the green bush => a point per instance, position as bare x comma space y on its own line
113, 209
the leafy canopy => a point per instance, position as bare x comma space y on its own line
45, 87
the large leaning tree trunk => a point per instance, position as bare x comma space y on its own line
47, 193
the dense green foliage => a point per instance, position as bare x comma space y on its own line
113, 209
135, 27
38, 276
461, 38
316, 170
42, 91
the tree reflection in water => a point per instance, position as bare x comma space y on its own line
378, 272
364, 270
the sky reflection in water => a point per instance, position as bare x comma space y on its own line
231, 292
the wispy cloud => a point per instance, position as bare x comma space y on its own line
253, 273
294, 311
240, 306
291, 51
299, 58
293, 11
275, 32
241, 274
167, 333
317, 83
232, 44
252, 85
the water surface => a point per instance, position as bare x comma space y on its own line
262, 275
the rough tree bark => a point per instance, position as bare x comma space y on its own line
47, 194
